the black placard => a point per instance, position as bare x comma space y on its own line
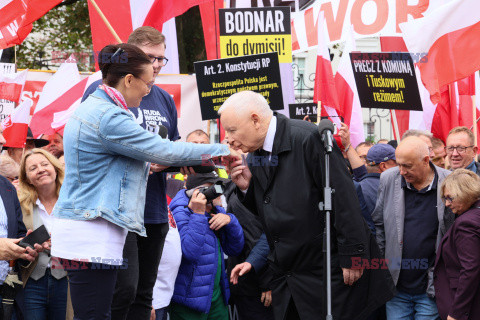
386, 80
219, 79
300, 110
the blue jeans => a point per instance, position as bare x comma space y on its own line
46, 298
412, 307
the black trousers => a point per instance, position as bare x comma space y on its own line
91, 290
134, 288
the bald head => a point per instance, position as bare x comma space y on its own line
413, 146
245, 116
245, 102
413, 160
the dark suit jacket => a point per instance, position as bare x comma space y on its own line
287, 203
457, 268
16, 228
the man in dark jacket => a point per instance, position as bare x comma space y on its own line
283, 184
251, 294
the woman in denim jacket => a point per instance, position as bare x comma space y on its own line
206, 232
107, 157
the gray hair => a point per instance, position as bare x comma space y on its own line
417, 133
244, 101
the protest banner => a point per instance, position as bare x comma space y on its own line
300, 110
6, 106
254, 31
386, 80
182, 89
219, 79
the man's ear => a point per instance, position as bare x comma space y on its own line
255, 119
382, 166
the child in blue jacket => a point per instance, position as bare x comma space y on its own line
202, 286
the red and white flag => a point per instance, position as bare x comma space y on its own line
125, 16
15, 126
349, 102
324, 89
450, 35
11, 85
60, 97
17, 16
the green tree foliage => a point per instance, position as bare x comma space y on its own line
63, 31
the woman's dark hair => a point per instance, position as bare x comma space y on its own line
116, 61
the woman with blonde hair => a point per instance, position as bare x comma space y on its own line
457, 267
45, 281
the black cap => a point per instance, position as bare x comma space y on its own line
195, 180
38, 142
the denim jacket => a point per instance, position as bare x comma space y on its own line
106, 155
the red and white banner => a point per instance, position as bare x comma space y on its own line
11, 85
349, 102
15, 126
182, 88
17, 16
451, 36
368, 18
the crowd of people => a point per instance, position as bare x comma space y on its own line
131, 241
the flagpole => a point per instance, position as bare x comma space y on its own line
474, 127
395, 124
109, 26
319, 111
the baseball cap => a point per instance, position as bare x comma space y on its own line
380, 153
198, 179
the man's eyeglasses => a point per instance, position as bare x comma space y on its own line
149, 84
460, 149
162, 60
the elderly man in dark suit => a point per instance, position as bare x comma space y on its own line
283, 184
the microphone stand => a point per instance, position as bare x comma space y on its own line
326, 206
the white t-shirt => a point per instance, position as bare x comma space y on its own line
168, 267
95, 240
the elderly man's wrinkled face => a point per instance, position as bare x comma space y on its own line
241, 131
412, 168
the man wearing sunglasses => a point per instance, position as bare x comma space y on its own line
134, 288
461, 149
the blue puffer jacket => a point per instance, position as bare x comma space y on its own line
196, 276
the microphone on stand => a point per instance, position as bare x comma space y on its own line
326, 129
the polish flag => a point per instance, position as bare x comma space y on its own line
349, 102
11, 85
17, 16
15, 126
451, 36
126, 16
60, 97
324, 89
